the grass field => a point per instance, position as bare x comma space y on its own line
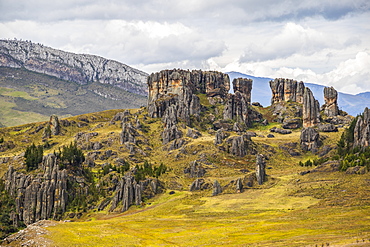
317, 209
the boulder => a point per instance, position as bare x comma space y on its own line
292, 123
221, 134
310, 140
239, 185
195, 170
327, 127
192, 133
216, 188
240, 145
280, 131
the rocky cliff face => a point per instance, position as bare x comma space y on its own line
311, 109
178, 87
286, 90
330, 107
41, 196
238, 105
310, 140
362, 130
78, 68
129, 192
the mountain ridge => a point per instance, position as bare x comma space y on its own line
80, 68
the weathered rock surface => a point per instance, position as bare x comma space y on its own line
260, 169
192, 133
129, 192
80, 68
178, 87
128, 133
330, 107
195, 170
239, 185
280, 131
327, 127
286, 90
362, 130
217, 189
198, 184
240, 145
54, 125
40, 196
237, 105
221, 135
311, 109
292, 123
310, 140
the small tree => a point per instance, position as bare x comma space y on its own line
33, 156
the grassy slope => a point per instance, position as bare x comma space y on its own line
289, 210
27, 96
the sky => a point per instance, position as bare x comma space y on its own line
318, 41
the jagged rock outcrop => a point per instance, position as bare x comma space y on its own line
221, 135
80, 68
362, 130
195, 170
54, 125
330, 107
311, 109
237, 105
129, 192
310, 140
280, 131
40, 196
128, 133
192, 133
240, 145
260, 169
197, 184
284, 90
178, 87
239, 185
217, 189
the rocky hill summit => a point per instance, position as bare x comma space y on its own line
79, 68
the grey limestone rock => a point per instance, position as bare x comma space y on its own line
195, 170
221, 134
362, 130
284, 90
239, 185
217, 189
310, 140
240, 145
260, 169
311, 109
330, 107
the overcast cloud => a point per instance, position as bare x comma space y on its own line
324, 42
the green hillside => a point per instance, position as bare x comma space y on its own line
27, 97
322, 208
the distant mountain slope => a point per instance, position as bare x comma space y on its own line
79, 68
27, 96
261, 92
